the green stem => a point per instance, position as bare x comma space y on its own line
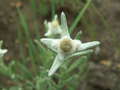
80, 15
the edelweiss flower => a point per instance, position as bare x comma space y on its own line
65, 47
2, 51
54, 28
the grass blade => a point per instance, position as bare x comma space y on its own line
80, 15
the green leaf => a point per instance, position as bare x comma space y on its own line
80, 15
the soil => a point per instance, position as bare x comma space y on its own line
104, 67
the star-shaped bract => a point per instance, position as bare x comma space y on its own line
54, 28
65, 47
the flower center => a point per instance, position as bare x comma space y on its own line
55, 23
66, 45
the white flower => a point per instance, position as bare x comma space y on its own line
54, 28
65, 47
2, 51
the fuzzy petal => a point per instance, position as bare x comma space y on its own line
64, 25
59, 59
79, 53
2, 52
48, 33
50, 43
56, 17
88, 45
48, 27
46, 24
